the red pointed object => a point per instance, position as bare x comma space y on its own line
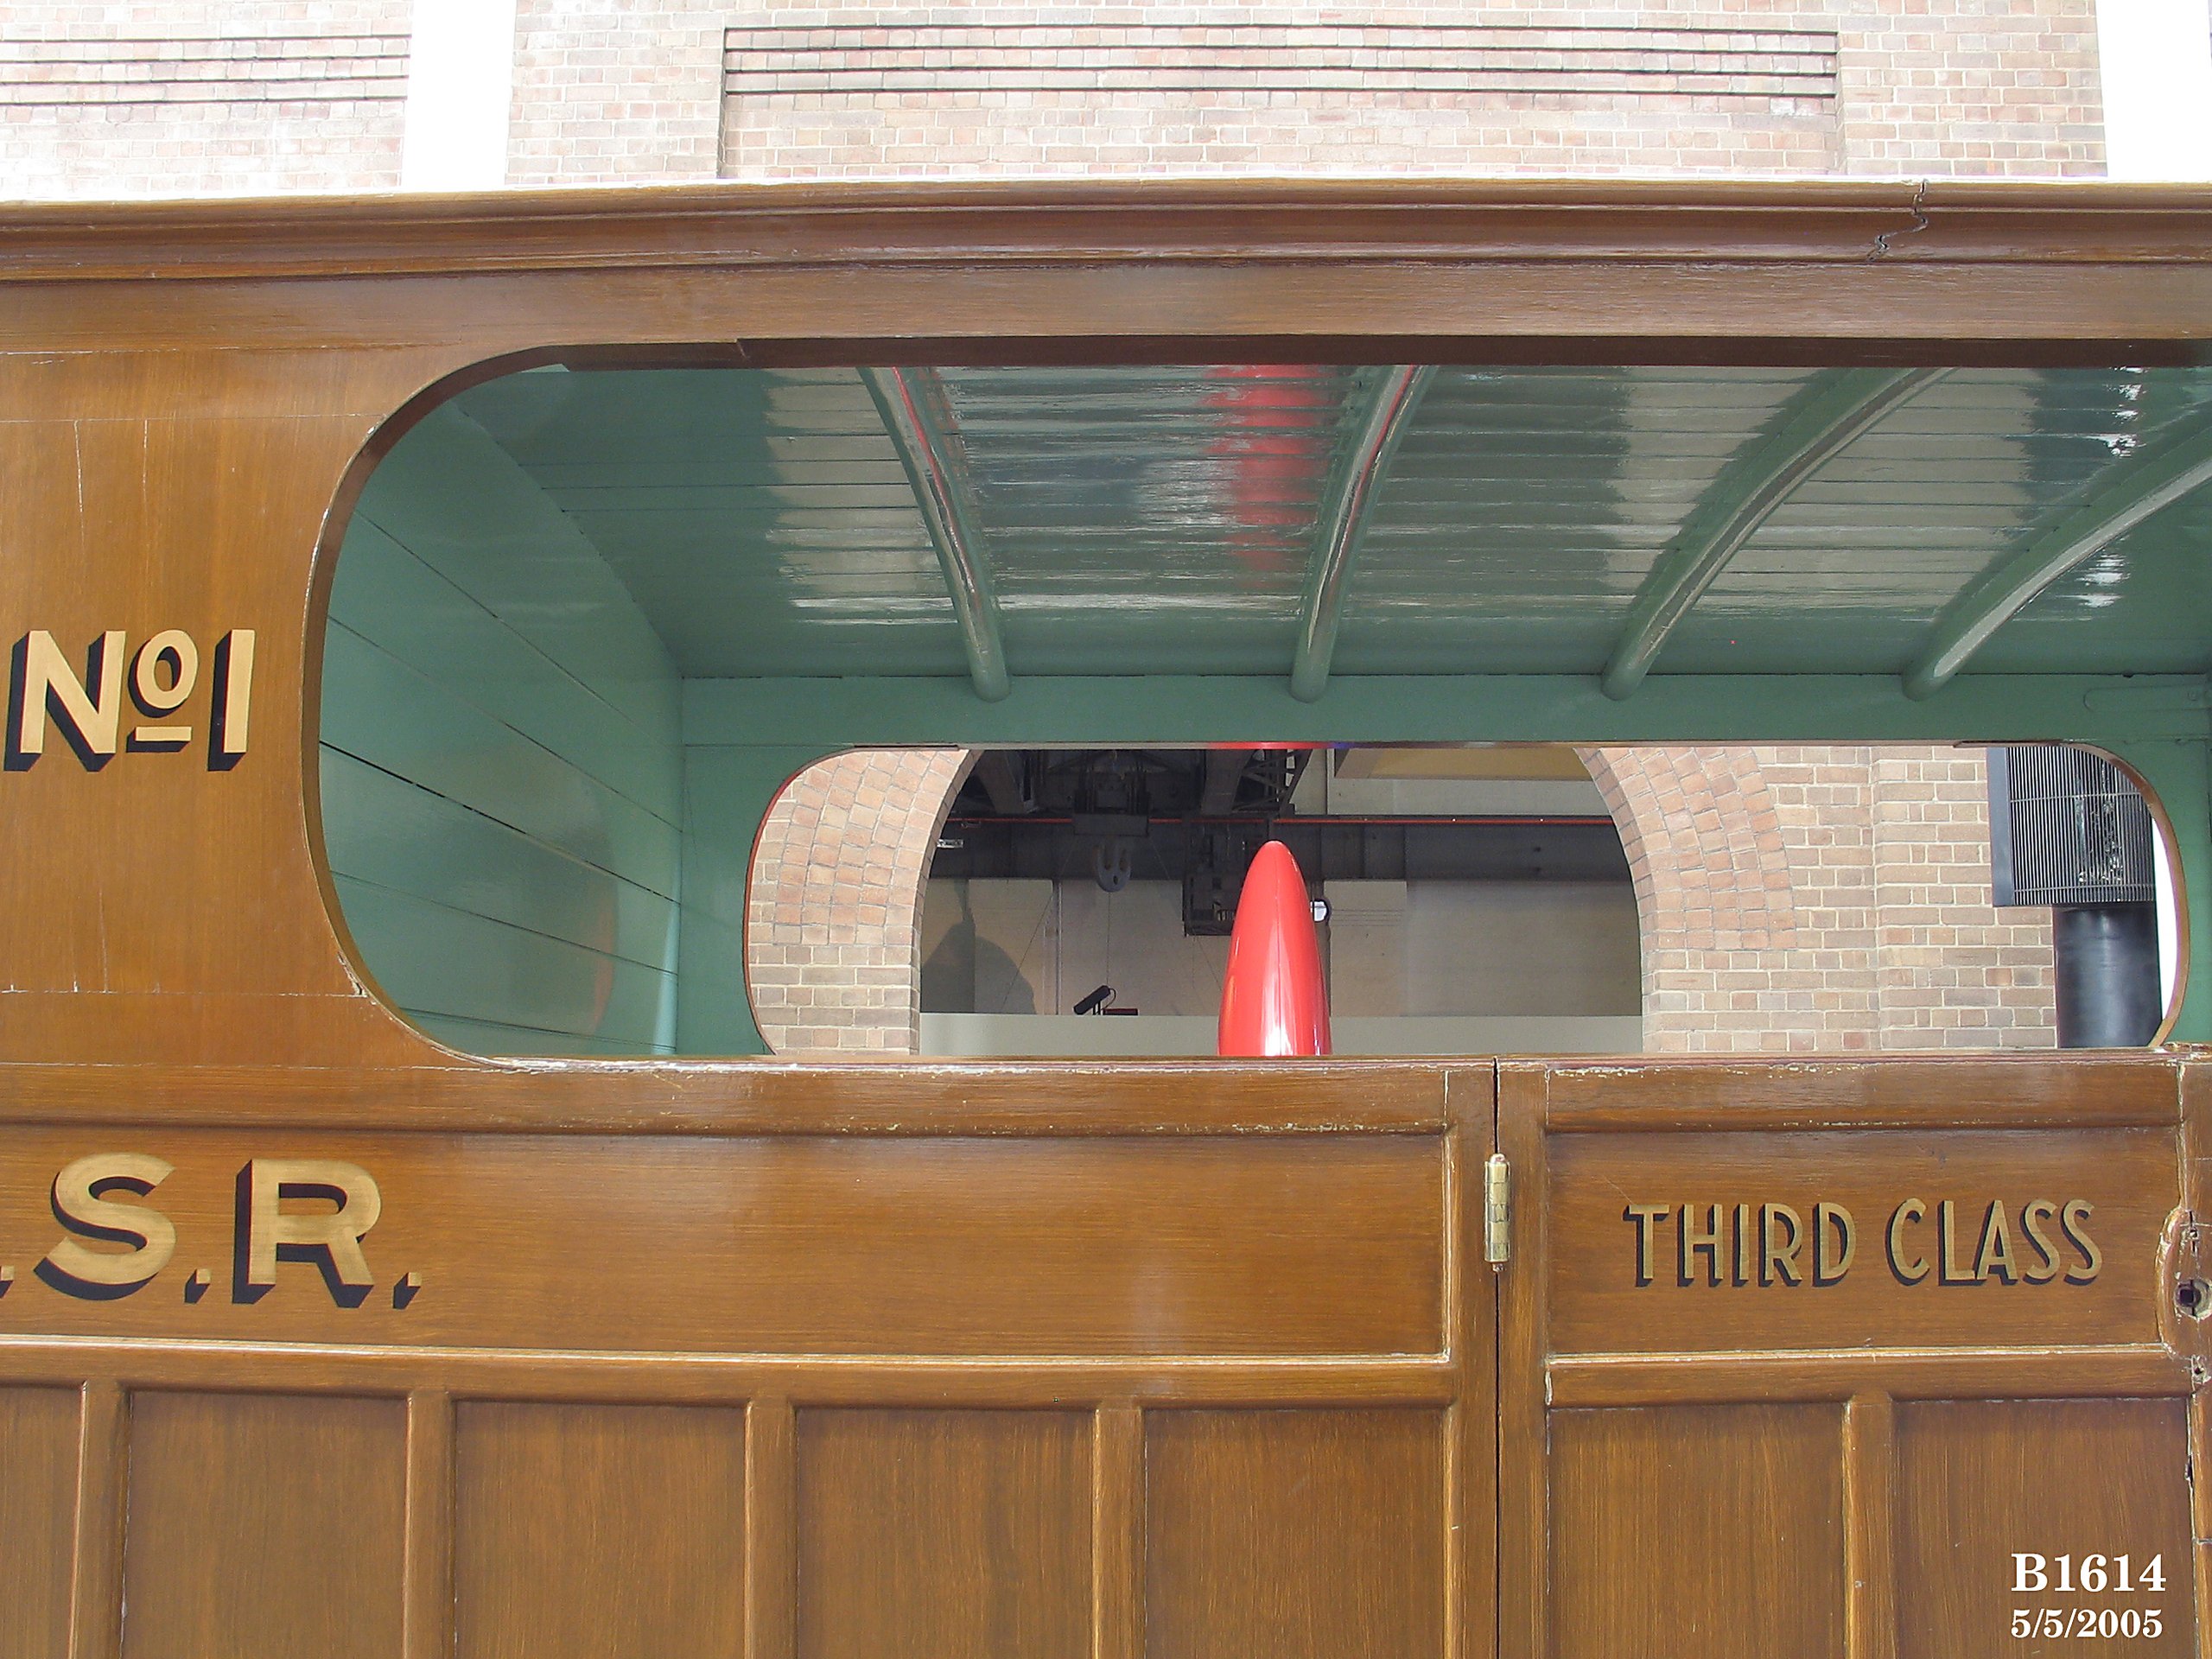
1272, 999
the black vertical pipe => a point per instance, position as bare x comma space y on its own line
2107, 959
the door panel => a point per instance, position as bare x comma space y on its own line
1712, 1530
263, 1527
990, 1386
1295, 1534
935, 1534
38, 1489
600, 1532
2057, 1478
1789, 1373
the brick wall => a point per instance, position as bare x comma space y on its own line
608, 91
1866, 86
1806, 900
833, 911
192, 97
220, 97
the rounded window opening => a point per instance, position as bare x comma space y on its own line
601, 643
1466, 899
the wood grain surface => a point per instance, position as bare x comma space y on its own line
1763, 1190
932, 1534
263, 1527
1662, 1517
1981, 1480
38, 1486
1289, 1246
1295, 1534
601, 1532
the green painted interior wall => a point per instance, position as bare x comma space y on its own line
502, 768
541, 831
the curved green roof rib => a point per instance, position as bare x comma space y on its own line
2145, 482
1116, 520
1816, 426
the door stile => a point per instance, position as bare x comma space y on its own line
1470, 1293
1870, 1526
427, 1552
771, 1529
2195, 1086
1523, 1469
1117, 1503
103, 1497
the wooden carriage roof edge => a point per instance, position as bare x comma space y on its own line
1001, 1098
2016, 222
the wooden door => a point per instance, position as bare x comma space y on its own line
1850, 1360
1166, 1362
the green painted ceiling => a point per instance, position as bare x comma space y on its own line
1155, 520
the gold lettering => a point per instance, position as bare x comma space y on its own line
1775, 1257
2040, 1210
173, 647
2074, 1219
81, 1205
335, 1234
1693, 1241
47, 680
1946, 1241
1996, 1252
228, 725
1743, 1244
1833, 1221
1910, 1270
1646, 1216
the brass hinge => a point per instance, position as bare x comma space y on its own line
1497, 1210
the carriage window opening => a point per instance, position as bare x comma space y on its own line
868, 712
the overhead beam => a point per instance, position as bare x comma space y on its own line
2120, 499
1345, 513
1140, 711
918, 416
999, 772
1224, 771
1835, 408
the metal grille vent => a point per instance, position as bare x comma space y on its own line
2066, 828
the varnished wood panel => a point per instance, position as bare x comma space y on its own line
600, 1532
931, 1534
1980, 1480
1715, 1531
264, 1526
2112, 1089
2129, 1179
1312, 1245
38, 1491
1295, 1535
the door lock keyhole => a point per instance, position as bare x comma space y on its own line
2193, 1297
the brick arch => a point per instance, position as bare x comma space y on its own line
1804, 899
1704, 842
834, 904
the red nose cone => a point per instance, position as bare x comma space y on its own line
1273, 1000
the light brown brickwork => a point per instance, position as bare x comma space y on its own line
614, 93
1803, 899
170, 97
1867, 86
833, 911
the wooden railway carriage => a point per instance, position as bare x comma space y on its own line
321, 1337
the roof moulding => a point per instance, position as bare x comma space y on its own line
2118, 499
1347, 511
918, 416
1835, 408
